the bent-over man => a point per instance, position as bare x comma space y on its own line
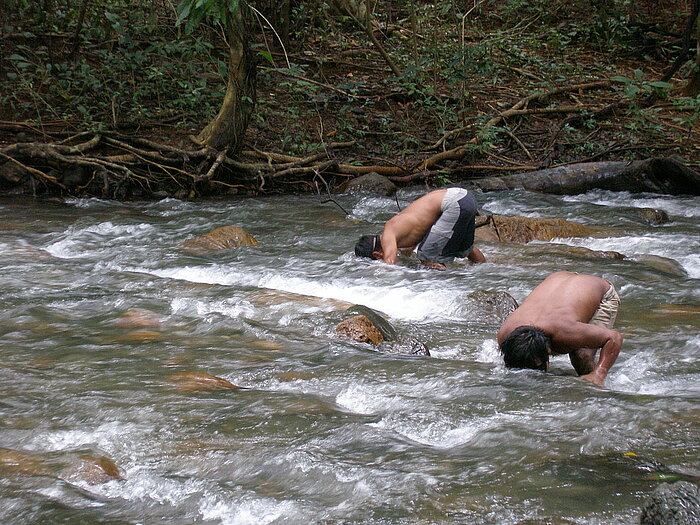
567, 313
440, 223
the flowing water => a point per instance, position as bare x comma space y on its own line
327, 430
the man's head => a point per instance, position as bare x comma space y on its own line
526, 347
369, 246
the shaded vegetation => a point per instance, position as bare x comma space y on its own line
110, 104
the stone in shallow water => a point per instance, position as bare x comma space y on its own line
138, 318
663, 264
223, 238
194, 381
672, 504
361, 329
522, 230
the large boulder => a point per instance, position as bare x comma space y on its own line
223, 238
372, 183
672, 504
521, 230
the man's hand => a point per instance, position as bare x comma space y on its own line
594, 378
434, 265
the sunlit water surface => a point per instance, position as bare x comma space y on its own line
327, 430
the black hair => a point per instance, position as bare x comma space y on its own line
368, 244
526, 347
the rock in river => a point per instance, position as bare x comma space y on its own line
223, 238
522, 230
672, 504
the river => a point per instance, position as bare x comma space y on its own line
326, 430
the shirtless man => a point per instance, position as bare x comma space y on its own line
440, 224
567, 313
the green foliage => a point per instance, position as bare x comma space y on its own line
634, 87
193, 12
125, 82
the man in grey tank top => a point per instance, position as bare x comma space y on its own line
440, 225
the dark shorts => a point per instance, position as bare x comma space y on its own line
452, 235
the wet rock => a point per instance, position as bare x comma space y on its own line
138, 318
85, 467
490, 305
361, 329
404, 346
388, 332
20, 462
13, 173
223, 238
139, 336
672, 504
198, 381
373, 183
275, 297
92, 469
599, 254
653, 216
663, 264
521, 230
368, 326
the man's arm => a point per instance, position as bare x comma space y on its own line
582, 336
389, 246
608, 355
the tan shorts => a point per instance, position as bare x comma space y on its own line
607, 310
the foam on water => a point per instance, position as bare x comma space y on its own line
101, 239
365, 399
671, 246
679, 207
251, 511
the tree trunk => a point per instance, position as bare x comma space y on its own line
693, 87
662, 175
227, 130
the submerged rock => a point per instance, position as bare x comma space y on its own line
599, 254
195, 381
672, 504
404, 345
663, 264
653, 216
223, 238
82, 467
138, 318
369, 183
275, 297
489, 305
92, 469
521, 230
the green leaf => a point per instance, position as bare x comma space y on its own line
662, 85
267, 56
622, 79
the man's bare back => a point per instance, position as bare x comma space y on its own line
561, 307
406, 229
